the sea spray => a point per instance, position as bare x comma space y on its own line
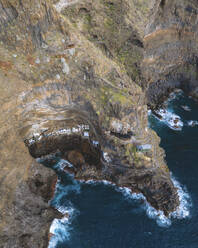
192, 123
61, 228
151, 212
167, 115
182, 212
169, 118
141, 206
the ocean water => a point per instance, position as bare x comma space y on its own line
103, 216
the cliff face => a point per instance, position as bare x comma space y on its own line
71, 86
170, 59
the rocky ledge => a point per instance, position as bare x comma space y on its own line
116, 156
75, 81
170, 42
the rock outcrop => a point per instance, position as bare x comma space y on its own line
170, 41
72, 87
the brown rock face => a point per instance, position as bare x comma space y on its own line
70, 87
76, 158
170, 43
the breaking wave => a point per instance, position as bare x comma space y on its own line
60, 229
182, 212
170, 119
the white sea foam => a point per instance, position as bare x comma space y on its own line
151, 212
192, 123
156, 215
62, 164
172, 120
186, 108
183, 210
105, 182
97, 182
61, 228
64, 190
65, 210
87, 182
54, 228
174, 95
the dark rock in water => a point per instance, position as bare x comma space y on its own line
157, 115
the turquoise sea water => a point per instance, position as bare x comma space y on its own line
103, 216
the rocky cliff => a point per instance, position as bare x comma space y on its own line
75, 80
170, 41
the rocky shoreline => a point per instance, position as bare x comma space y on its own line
170, 60
75, 83
90, 163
